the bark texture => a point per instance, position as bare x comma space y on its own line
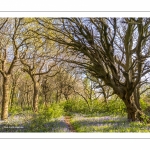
35, 96
5, 101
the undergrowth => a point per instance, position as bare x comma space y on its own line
97, 107
46, 118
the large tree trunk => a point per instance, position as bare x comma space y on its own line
134, 113
137, 97
5, 100
35, 96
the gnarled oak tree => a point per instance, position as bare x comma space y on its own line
115, 50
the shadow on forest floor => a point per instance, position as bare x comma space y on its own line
31, 123
108, 124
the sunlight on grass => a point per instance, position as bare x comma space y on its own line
107, 124
103, 118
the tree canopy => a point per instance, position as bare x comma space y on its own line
113, 51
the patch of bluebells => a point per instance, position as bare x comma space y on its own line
107, 124
25, 123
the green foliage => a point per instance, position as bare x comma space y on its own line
114, 107
143, 104
15, 110
101, 117
53, 111
44, 120
76, 106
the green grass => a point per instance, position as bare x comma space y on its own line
44, 121
107, 124
53, 125
101, 117
111, 117
32, 123
48, 119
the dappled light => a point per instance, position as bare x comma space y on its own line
74, 74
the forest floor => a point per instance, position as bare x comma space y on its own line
107, 124
75, 123
29, 123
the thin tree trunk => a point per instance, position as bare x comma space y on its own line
5, 100
27, 96
66, 97
12, 96
35, 96
58, 96
105, 98
45, 100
